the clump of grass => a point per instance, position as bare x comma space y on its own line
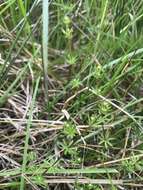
89, 135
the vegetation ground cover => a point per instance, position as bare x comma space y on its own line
76, 121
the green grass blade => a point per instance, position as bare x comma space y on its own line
45, 20
123, 58
28, 134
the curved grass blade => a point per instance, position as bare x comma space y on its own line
123, 58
